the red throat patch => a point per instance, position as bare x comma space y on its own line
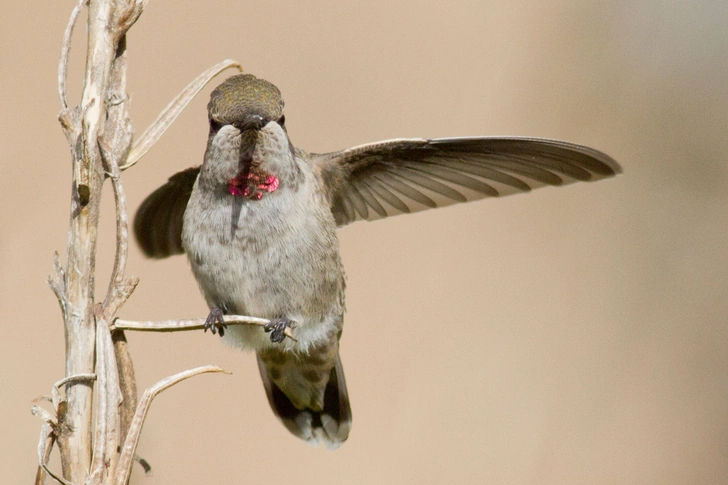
255, 186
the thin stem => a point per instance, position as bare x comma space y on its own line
65, 51
173, 110
106, 423
191, 324
126, 459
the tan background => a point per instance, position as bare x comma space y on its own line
570, 336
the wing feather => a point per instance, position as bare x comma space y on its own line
398, 176
370, 199
456, 177
394, 182
420, 178
386, 195
359, 203
158, 221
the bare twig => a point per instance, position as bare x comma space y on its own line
127, 382
70, 119
127, 452
125, 15
46, 417
45, 445
65, 50
57, 282
173, 110
55, 477
122, 235
120, 286
56, 398
117, 294
106, 425
191, 324
115, 147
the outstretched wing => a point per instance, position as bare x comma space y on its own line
158, 222
391, 177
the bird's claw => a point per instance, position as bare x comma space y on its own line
215, 322
277, 328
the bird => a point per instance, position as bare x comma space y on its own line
258, 220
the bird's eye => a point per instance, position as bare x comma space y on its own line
282, 120
214, 126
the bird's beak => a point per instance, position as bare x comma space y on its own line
251, 122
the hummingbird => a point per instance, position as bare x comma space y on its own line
258, 219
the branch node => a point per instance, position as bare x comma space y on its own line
56, 398
70, 120
45, 416
124, 18
115, 99
57, 282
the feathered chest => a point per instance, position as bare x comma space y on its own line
268, 255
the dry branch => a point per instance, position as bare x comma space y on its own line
47, 438
95, 406
128, 450
191, 324
45, 445
76, 416
106, 424
65, 51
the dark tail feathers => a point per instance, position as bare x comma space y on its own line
330, 425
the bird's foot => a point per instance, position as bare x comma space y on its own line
215, 322
277, 328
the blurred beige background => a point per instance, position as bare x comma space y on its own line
573, 335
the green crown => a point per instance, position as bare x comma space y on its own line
243, 95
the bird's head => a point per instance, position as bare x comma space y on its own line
248, 142
246, 103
